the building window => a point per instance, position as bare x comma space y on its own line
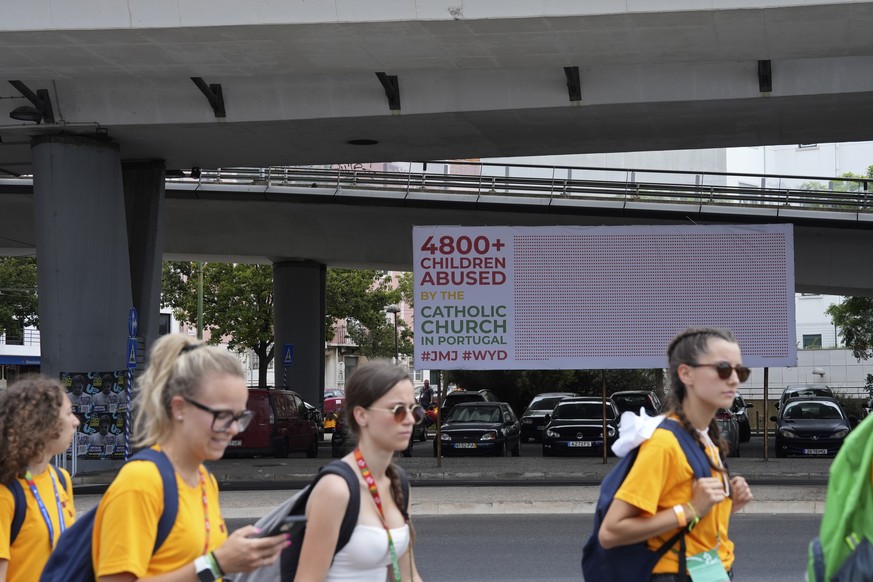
811, 341
417, 376
806, 146
163, 324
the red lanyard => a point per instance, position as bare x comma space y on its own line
374, 491
205, 509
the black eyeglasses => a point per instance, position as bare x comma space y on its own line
399, 412
724, 370
222, 420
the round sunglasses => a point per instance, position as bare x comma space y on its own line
399, 412
724, 370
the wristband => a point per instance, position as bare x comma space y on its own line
205, 571
217, 566
692, 511
680, 515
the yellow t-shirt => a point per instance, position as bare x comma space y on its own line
31, 550
126, 524
661, 478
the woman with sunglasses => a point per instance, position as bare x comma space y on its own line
380, 410
36, 423
660, 496
192, 401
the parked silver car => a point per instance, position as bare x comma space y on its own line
730, 430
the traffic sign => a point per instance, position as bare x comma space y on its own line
132, 322
131, 353
288, 355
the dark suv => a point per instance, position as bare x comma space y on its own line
459, 396
534, 418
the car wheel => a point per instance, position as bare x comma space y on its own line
780, 453
282, 449
736, 451
423, 437
516, 452
312, 451
745, 433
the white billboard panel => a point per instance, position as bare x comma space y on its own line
598, 297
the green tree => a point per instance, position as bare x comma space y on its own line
237, 304
853, 316
19, 303
359, 297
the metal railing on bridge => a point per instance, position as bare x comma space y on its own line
501, 183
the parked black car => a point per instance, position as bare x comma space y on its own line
480, 428
459, 396
730, 430
633, 400
576, 427
740, 410
810, 426
534, 417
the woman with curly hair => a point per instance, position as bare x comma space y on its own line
36, 423
660, 495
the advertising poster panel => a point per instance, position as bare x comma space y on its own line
598, 297
100, 401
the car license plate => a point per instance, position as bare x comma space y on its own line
465, 445
815, 451
234, 444
580, 444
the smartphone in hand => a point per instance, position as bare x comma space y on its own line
289, 524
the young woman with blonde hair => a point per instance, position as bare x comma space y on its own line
36, 423
660, 496
192, 402
381, 410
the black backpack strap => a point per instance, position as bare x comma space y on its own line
171, 492
350, 519
700, 466
20, 504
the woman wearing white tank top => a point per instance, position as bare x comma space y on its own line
381, 410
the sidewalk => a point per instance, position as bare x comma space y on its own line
531, 485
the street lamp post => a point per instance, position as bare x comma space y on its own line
394, 309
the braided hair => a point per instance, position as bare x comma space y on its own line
685, 348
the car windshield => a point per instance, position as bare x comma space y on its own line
794, 393
474, 414
453, 399
582, 411
812, 411
545, 403
631, 402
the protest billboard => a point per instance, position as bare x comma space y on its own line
598, 297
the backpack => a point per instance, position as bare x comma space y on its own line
636, 561
843, 549
285, 568
71, 561
20, 502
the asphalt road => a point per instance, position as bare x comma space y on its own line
536, 548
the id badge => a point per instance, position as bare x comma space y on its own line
707, 567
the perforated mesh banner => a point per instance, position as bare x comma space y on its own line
598, 297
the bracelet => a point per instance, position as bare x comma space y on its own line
214, 561
680, 515
692, 511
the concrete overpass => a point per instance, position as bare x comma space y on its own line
485, 79
104, 97
364, 219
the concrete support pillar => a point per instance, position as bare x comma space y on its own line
81, 244
299, 310
144, 204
